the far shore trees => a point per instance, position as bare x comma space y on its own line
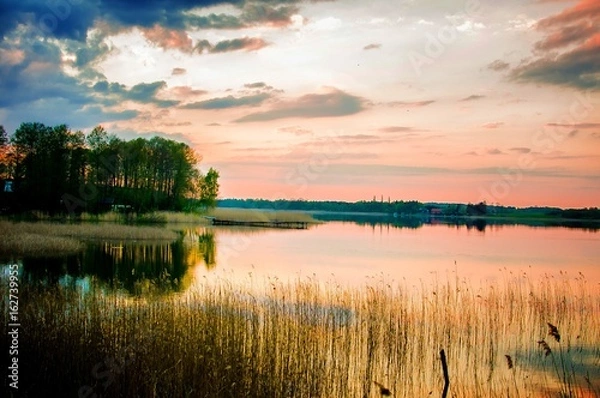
57, 170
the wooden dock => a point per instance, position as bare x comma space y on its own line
261, 224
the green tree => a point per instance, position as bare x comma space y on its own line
209, 188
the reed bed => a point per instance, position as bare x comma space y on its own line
249, 215
309, 339
43, 239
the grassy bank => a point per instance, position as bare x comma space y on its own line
47, 239
249, 215
165, 217
304, 340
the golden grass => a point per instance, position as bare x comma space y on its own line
260, 215
43, 239
304, 339
28, 244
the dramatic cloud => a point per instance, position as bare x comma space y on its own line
168, 38
567, 36
333, 104
73, 19
229, 102
214, 21
244, 43
143, 92
265, 14
583, 10
253, 14
577, 67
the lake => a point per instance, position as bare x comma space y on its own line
327, 311
350, 253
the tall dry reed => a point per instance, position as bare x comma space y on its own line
309, 339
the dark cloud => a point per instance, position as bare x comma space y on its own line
61, 19
144, 93
333, 104
214, 21
40, 90
73, 19
577, 68
576, 26
498, 65
36, 74
258, 85
94, 51
265, 14
372, 46
253, 14
61, 110
245, 43
178, 71
229, 102
473, 97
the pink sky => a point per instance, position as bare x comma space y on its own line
338, 100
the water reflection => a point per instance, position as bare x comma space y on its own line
135, 268
397, 249
478, 223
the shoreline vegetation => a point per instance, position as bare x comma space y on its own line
413, 208
47, 236
515, 337
46, 239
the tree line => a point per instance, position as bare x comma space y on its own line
55, 169
415, 208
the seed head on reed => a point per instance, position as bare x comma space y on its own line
545, 347
553, 331
509, 361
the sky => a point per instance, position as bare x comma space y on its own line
429, 100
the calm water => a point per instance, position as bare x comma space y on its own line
348, 253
